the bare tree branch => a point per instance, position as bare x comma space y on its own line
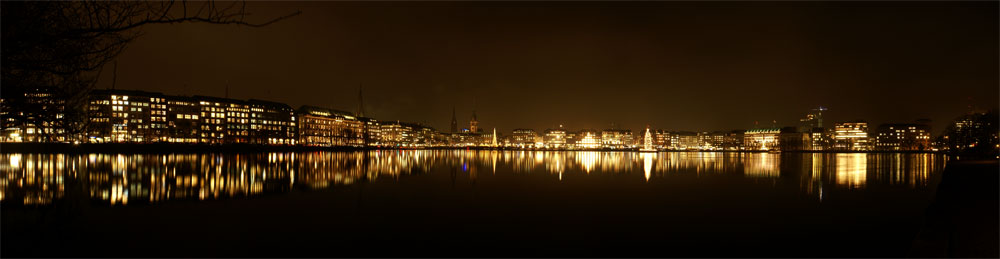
60, 48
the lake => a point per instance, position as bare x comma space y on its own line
442, 203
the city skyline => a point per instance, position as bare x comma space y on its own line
463, 126
591, 129
140, 117
598, 65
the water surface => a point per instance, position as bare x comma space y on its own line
465, 203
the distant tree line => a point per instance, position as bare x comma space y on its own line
974, 136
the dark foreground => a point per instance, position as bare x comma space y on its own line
464, 208
964, 219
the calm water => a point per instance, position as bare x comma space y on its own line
465, 203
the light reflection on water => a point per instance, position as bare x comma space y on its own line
118, 179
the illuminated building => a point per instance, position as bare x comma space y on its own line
463, 139
402, 134
812, 120
372, 131
524, 138
508, 141
555, 138
212, 120
259, 122
396, 134
572, 139
683, 140
762, 139
439, 139
467, 138
850, 136
820, 139
121, 116
590, 139
480, 139
616, 138
327, 127
35, 115
183, 123
661, 138
711, 140
423, 136
812, 124
12, 128
895, 136
268, 123
733, 140
237, 121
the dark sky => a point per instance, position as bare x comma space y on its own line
675, 65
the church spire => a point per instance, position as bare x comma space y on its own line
361, 103
454, 120
474, 123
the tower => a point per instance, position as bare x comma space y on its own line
473, 124
361, 103
454, 121
819, 116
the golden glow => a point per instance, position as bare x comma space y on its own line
39, 179
762, 165
647, 163
852, 170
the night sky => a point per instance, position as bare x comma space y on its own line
697, 66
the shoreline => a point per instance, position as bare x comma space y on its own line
63, 148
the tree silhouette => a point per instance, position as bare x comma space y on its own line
977, 138
59, 49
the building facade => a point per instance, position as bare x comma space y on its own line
850, 136
183, 120
661, 138
524, 138
899, 136
31, 115
683, 140
588, 139
555, 138
327, 127
122, 116
711, 140
617, 139
790, 139
767, 139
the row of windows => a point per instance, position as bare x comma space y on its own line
187, 116
213, 114
207, 127
180, 103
